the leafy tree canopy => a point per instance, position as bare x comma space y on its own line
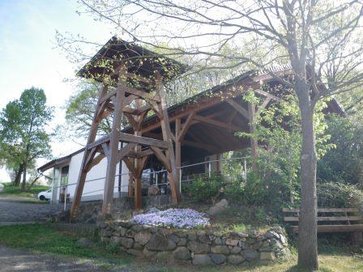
22, 132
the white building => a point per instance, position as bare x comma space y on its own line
64, 173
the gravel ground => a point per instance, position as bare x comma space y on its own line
22, 260
14, 211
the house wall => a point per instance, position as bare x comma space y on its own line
95, 180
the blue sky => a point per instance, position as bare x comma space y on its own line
29, 55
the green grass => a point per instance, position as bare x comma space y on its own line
12, 192
46, 239
10, 189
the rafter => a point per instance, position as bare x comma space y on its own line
214, 122
238, 108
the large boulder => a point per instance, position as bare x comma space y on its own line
159, 242
142, 237
197, 247
202, 259
182, 253
218, 208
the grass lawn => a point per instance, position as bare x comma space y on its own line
14, 192
46, 239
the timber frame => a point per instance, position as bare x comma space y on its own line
206, 122
131, 66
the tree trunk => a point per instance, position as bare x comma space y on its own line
18, 173
307, 244
24, 178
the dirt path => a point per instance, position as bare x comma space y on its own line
21, 260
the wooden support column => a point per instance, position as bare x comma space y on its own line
254, 144
137, 162
140, 164
113, 157
165, 127
83, 171
178, 146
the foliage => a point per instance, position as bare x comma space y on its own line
275, 181
80, 109
338, 195
22, 131
204, 188
344, 163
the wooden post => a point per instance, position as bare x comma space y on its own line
83, 171
113, 154
165, 127
138, 172
254, 144
178, 146
130, 191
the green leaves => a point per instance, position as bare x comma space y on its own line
22, 129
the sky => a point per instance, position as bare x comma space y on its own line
29, 56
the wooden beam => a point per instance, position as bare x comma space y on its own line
178, 145
207, 147
208, 102
90, 157
162, 157
83, 172
266, 94
215, 123
96, 160
114, 154
106, 149
129, 164
140, 154
140, 164
186, 126
129, 138
125, 151
142, 94
107, 96
166, 131
238, 108
231, 117
133, 111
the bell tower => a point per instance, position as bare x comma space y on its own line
132, 81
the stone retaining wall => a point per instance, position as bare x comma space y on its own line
199, 247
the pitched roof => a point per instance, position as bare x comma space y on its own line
139, 61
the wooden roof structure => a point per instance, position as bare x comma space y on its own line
210, 119
141, 64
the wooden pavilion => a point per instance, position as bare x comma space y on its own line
132, 79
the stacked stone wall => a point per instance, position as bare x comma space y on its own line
199, 247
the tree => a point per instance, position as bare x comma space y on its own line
318, 39
22, 132
80, 110
344, 163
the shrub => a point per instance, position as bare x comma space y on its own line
344, 163
339, 195
205, 188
